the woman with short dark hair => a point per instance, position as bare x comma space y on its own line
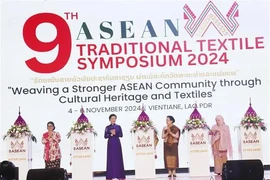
171, 136
115, 164
52, 153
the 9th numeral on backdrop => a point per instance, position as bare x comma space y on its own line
62, 41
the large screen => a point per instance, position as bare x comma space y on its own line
115, 56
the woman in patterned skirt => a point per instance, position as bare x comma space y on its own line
171, 136
52, 153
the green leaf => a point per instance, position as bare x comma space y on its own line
34, 139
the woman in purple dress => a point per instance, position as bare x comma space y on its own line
115, 164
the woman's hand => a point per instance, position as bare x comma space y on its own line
113, 132
50, 134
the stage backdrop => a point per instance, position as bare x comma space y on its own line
114, 56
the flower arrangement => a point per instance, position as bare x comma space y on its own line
82, 125
255, 122
195, 124
81, 128
19, 132
251, 119
20, 129
142, 125
195, 121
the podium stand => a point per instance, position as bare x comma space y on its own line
82, 156
144, 155
250, 143
198, 153
19, 152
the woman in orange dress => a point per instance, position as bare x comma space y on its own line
171, 136
52, 153
221, 143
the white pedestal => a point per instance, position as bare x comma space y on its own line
198, 153
250, 143
144, 150
19, 152
82, 156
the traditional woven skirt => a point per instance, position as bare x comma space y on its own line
171, 156
53, 164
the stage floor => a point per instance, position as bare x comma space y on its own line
184, 176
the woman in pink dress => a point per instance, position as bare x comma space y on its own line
52, 153
221, 143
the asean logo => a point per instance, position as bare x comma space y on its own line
250, 135
250, 138
144, 142
143, 139
81, 144
197, 137
211, 15
17, 147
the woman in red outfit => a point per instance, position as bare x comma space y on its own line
52, 152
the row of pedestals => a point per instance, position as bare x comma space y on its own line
82, 153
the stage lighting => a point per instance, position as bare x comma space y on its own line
8, 171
